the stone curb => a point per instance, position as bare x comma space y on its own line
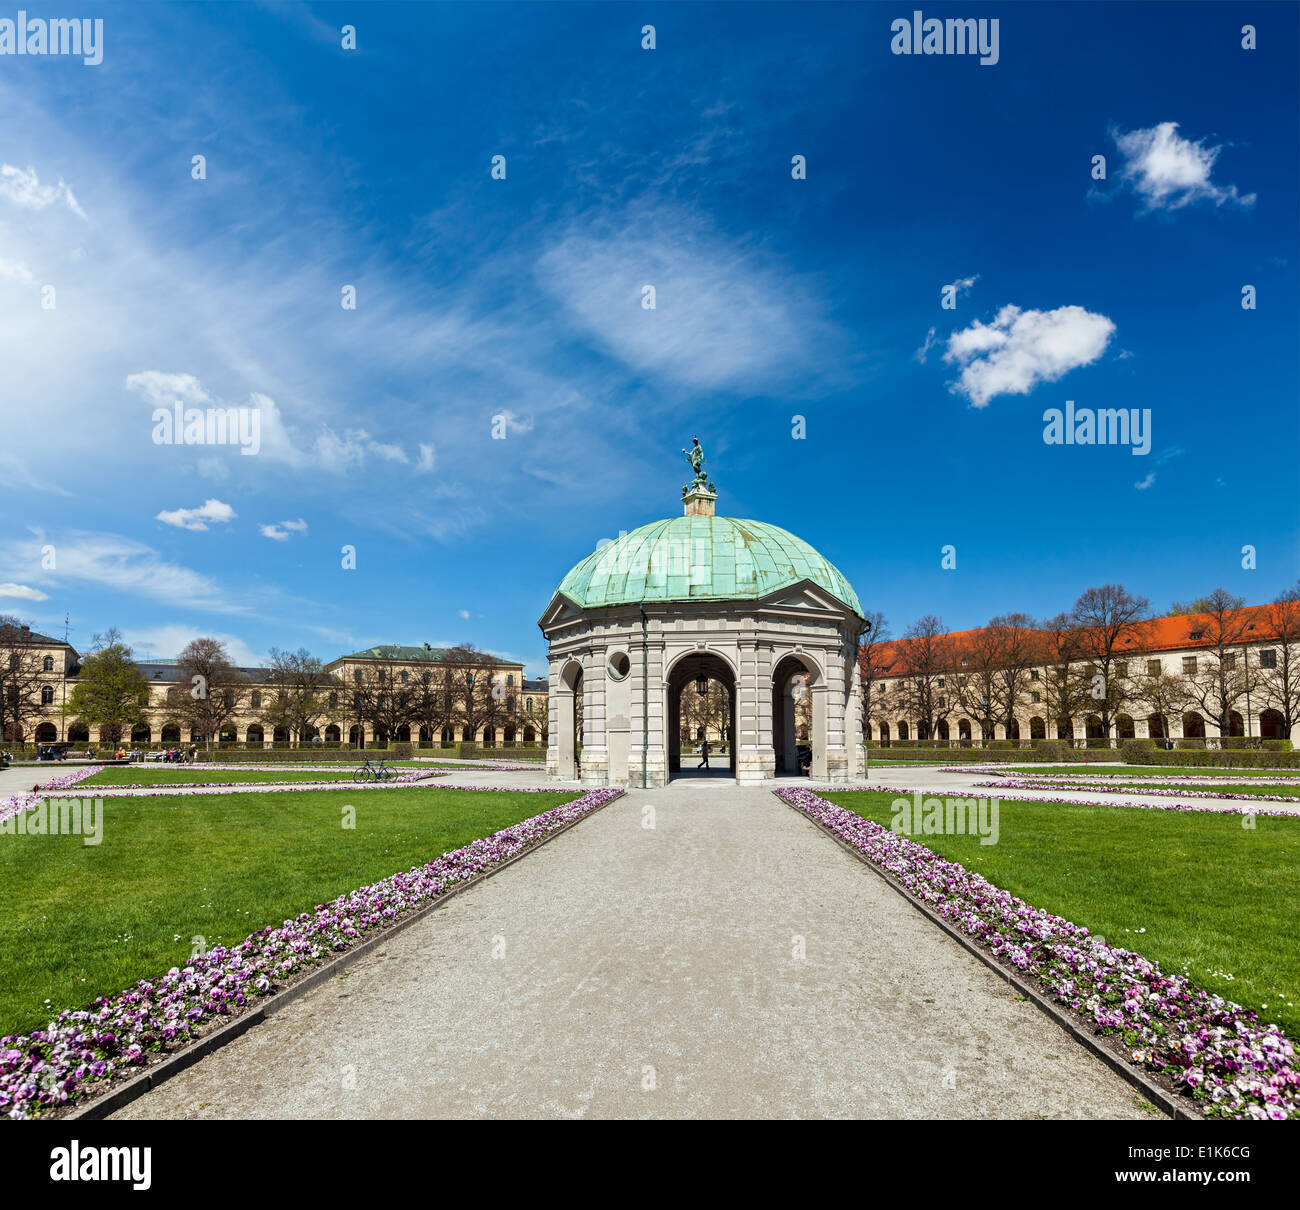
1175, 1107
174, 1064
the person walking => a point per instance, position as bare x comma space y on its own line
704, 753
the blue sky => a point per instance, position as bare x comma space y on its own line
521, 298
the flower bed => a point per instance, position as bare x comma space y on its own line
1075, 787
81, 1052
9, 807
1031, 795
1212, 1050
153, 789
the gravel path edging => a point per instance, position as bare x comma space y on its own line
173, 1064
1175, 1107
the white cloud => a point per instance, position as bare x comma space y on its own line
1021, 349
12, 270
21, 592
962, 285
197, 518
1143, 484
25, 190
464, 613
924, 351
283, 530
428, 455
1169, 172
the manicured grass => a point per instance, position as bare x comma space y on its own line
1092, 770
137, 775
1214, 898
80, 921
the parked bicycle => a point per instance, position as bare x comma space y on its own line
369, 772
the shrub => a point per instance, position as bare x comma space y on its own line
1189, 743
1278, 745
1050, 750
1137, 751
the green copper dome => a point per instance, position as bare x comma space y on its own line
701, 558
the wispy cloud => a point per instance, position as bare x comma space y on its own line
24, 189
1143, 484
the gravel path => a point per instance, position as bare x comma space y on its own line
634, 972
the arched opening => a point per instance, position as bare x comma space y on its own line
1236, 724
568, 720
78, 733
941, 731
356, 736
1124, 727
1157, 727
141, 734
1093, 724
884, 734
426, 737
171, 733
508, 735
280, 735
902, 732
403, 734
705, 716
255, 734
467, 735
489, 737
448, 737
963, 732
47, 733
1037, 728
530, 736
1272, 725
1193, 726
332, 734
1015, 729
229, 736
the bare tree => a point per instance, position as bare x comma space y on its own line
926, 657
211, 689
874, 656
1161, 693
383, 696
1111, 625
1065, 688
1280, 684
21, 679
300, 686
1223, 675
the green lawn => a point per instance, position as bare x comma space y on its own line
167, 775
1214, 898
80, 921
1155, 771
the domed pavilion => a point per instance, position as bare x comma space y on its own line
694, 599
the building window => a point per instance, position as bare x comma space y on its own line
1033, 675
47, 695
510, 678
943, 703
356, 676
403, 678
256, 700
334, 701
939, 682
48, 664
528, 704
1229, 659
1268, 658
1121, 667
1189, 665
1035, 697
1153, 667
1198, 634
